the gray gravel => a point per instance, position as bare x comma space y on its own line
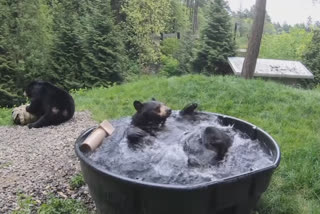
37, 162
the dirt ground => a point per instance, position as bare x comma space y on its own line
39, 162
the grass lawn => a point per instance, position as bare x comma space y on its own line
291, 116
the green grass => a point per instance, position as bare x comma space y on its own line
53, 205
290, 115
26, 205
77, 181
67, 206
5, 117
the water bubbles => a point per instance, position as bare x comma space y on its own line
164, 159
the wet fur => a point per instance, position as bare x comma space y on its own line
150, 116
211, 148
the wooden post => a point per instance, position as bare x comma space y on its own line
249, 64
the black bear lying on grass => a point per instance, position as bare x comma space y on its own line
148, 118
49, 103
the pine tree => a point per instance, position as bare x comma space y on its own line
23, 45
104, 55
217, 41
67, 52
312, 56
6, 66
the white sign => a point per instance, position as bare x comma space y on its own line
273, 68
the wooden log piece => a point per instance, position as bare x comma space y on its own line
94, 140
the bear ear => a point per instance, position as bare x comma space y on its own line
137, 105
153, 99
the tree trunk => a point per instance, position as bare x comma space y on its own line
250, 61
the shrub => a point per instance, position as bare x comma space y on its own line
170, 46
312, 57
217, 41
169, 66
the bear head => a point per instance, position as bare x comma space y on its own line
151, 113
33, 89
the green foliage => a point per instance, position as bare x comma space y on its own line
244, 20
87, 50
77, 181
169, 66
289, 46
8, 99
26, 205
170, 46
144, 18
217, 41
72, 44
62, 206
311, 58
104, 50
186, 54
179, 20
22, 47
5, 116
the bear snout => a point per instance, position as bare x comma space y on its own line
165, 111
169, 111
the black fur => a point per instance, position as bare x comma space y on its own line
189, 109
209, 149
215, 139
148, 114
147, 119
51, 104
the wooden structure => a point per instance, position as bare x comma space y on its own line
284, 70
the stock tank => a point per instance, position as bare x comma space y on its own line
237, 194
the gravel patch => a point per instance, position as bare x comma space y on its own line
38, 162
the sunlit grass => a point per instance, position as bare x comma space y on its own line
5, 116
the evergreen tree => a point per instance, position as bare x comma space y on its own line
67, 51
116, 6
104, 49
217, 41
7, 69
22, 46
312, 57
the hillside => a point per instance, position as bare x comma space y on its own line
290, 115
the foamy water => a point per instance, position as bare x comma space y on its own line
163, 160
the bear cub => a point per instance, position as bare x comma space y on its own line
150, 116
49, 103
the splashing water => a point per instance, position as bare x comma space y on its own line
162, 158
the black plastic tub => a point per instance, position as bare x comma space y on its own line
115, 194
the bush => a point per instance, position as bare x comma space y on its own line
8, 99
289, 46
169, 66
77, 181
170, 46
312, 57
217, 41
57, 205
